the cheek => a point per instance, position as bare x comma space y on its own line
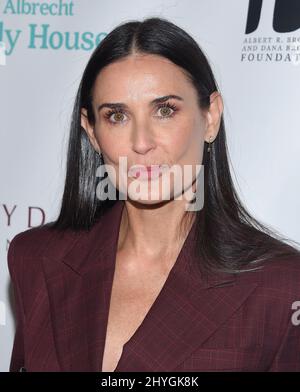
111, 147
187, 143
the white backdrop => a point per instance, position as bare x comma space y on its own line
258, 73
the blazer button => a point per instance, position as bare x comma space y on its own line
22, 369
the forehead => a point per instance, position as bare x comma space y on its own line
141, 77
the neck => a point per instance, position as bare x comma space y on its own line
152, 232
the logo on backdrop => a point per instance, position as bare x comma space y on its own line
272, 32
286, 16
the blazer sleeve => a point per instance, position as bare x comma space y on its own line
14, 263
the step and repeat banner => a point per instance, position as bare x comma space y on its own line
254, 49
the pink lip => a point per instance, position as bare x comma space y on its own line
152, 168
146, 172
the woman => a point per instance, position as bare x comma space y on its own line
141, 283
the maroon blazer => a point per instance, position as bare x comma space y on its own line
62, 287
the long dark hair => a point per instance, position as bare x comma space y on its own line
228, 237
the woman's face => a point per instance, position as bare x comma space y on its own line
134, 121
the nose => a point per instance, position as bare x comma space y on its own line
142, 139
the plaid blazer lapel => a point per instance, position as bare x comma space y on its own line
78, 269
181, 319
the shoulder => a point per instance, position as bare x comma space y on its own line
281, 274
30, 240
27, 244
277, 283
28, 248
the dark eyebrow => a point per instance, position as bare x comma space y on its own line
120, 105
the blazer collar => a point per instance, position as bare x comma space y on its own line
79, 269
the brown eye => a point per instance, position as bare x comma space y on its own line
117, 115
167, 110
